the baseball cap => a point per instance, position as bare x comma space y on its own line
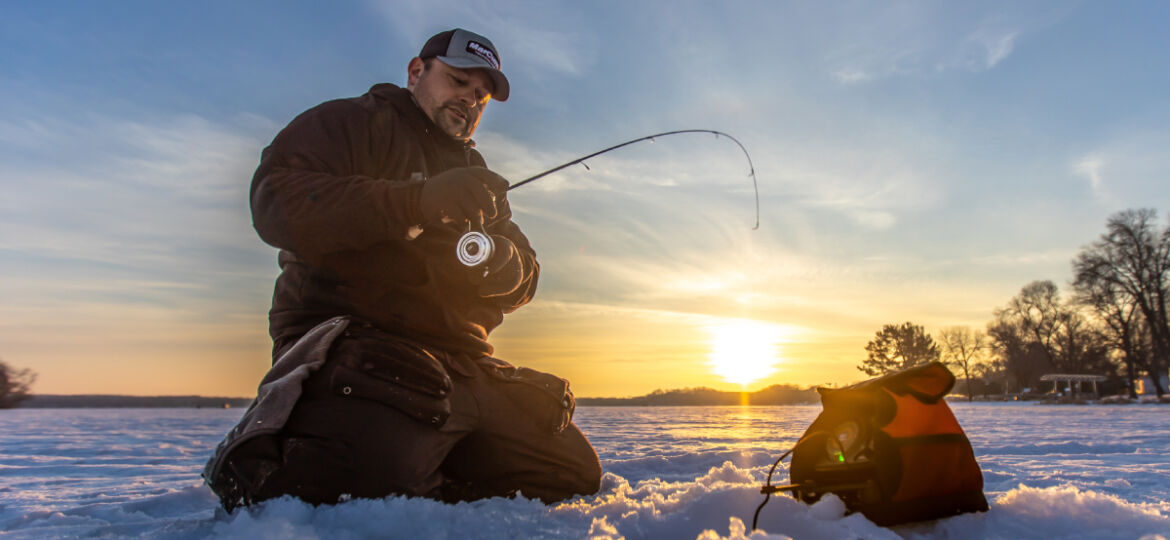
461, 49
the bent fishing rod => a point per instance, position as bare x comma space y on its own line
476, 247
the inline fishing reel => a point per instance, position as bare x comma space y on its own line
474, 248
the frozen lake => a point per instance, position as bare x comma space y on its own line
671, 472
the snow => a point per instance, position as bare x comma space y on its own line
685, 472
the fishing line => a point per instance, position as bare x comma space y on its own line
475, 247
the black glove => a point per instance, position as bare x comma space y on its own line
503, 272
462, 195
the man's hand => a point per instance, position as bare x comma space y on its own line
503, 272
466, 194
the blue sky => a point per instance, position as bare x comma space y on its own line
917, 161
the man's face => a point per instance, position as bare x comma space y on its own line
452, 98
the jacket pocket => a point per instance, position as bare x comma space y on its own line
396, 373
544, 396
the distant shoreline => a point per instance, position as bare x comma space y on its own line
111, 401
690, 397
772, 395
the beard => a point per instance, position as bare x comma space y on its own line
455, 120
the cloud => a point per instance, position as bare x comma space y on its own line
161, 200
1090, 167
523, 33
872, 183
998, 47
874, 220
1029, 259
547, 50
669, 224
916, 43
1136, 161
851, 75
982, 50
131, 238
871, 186
727, 273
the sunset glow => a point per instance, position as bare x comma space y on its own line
908, 157
744, 351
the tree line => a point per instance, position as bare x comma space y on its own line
777, 394
15, 385
1114, 322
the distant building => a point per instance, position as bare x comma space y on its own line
1074, 382
1145, 385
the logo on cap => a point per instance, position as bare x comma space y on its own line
483, 52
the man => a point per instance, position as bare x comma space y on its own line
382, 380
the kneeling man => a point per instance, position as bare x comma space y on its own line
383, 381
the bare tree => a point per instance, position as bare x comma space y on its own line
14, 385
1125, 329
962, 348
1037, 332
1039, 316
897, 347
1035, 313
1132, 259
1021, 361
991, 371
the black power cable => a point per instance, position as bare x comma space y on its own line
769, 489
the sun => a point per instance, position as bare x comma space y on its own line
743, 351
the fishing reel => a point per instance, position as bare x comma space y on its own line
474, 248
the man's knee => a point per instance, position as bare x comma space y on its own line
587, 472
591, 480
322, 471
270, 466
577, 470
384, 451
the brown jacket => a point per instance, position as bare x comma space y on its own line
337, 191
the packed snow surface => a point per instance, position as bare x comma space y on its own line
671, 472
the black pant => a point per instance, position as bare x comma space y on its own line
492, 443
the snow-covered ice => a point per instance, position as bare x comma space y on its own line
671, 472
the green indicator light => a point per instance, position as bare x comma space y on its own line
841, 458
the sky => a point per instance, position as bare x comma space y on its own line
916, 161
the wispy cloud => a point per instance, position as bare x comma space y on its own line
127, 243
1090, 167
997, 46
522, 41
121, 203
1127, 169
1009, 260
872, 186
852, 75
914, 46
176, 179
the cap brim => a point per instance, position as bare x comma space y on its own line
499, 81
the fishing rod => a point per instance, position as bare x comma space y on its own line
476, 247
